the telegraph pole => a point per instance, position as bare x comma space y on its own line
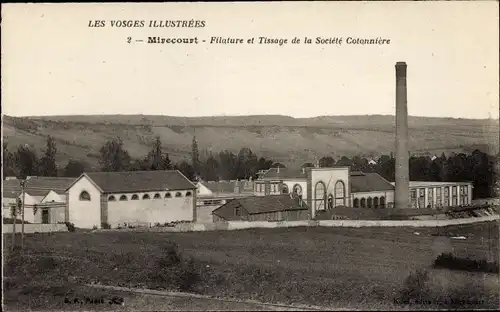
23, 183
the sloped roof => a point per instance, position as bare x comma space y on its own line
140, 181
263, 204
37, 186
284, 173
369, 182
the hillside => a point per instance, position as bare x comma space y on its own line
285, 139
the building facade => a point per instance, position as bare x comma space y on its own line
97, 199
424, 194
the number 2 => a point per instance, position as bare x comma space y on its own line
129, 39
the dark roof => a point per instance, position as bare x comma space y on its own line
284, 173
369, 182
140, 181
264, 204
37, 186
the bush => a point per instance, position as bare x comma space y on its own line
105, 225
420, 289
447, 260
70, 226
175, 270
416, 289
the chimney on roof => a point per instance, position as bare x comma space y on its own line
401, 193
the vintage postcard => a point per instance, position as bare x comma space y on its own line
250, 156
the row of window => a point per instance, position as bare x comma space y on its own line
464, 190
85, 196
146, 196
274, 188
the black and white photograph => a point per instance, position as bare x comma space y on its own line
250, 156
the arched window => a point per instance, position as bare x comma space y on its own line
145, 196
85, 196
339, 194
123, 197
111, 198
320, 196
178, 194
135, 197
330, 201
284, 189
363, 202
297, 189
369, 202
168, 195
157, 195
356, 203
188, 194
375, 202
382, 202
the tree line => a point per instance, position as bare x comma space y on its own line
477, 166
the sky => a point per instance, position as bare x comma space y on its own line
53, 63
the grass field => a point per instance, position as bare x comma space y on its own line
331, 267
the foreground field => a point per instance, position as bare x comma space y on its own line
331, 267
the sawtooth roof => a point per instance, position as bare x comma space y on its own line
37, 186
140, 181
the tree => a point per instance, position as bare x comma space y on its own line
186, 169
210, 169
326, 161
8, 162
74, 168
27, 161
114, 157
195, 156
246, 164
227, 168
48, 167
156, 159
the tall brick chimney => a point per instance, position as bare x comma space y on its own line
401, 196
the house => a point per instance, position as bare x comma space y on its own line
145, 197
283, 207
44, 198
213, 194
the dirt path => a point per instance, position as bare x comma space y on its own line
149, 300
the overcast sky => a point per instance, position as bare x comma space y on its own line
54, 64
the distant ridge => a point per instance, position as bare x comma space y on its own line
291, 141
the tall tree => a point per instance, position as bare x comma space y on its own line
114, 157
74, 168
157, 160
195, 158
48, 167
27, 161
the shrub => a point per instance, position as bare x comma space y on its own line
447, 260
105, 225
420, 289
70, 226
416, 289
175, 270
